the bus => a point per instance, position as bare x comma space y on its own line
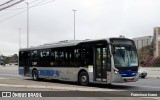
104, 61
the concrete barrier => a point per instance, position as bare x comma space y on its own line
9, 67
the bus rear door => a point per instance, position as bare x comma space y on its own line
26, 64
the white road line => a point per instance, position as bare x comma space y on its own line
10, 75
77, 88
145, 86
4, 78
59, 87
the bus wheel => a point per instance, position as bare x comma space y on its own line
35, 75
83, 78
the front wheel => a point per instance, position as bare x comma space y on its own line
143, 76
83, 78
35, 75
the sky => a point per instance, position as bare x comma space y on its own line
52, 21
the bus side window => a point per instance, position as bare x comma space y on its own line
52, 58
34, 57
83, 57
56, 58
66, 58
61, 58
21, 58
45, 58
77, 57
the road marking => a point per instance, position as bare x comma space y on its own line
145, 86
10, 75
78, 88
4, 78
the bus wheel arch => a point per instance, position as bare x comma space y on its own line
83, 77
35, 74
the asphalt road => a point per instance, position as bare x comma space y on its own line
19, 83
147, 84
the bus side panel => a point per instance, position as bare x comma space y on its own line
68, 74
60, 73
90, 73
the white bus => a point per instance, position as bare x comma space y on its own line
106, 61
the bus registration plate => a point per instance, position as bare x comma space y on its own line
129, 80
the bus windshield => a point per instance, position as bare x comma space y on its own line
125, 56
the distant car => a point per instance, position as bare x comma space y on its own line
142, 73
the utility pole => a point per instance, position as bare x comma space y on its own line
27, 24
19, 29
74, 11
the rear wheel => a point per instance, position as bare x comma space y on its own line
35, 75
83, 78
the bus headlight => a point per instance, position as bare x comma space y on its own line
116, 72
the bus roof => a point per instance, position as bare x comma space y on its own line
65, 43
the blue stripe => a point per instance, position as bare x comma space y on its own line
21, 71
30, 71
48, 72
128, 73
42, 72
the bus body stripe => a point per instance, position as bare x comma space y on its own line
128, 73
21, 71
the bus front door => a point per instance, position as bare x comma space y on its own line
100, 64
26, 66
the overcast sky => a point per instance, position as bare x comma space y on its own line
95, 19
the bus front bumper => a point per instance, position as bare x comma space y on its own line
117, 78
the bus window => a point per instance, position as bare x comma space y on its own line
76, 57
52, 58
21, 58
56, 58
45, 58
34, 57
61, 58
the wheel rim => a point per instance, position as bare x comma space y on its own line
84, 78
35, 75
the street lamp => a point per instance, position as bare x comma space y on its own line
27, 24
19, 29
74, 23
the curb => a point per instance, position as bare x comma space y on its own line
157, 77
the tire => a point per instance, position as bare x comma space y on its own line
143, 76
35, 75
83, 78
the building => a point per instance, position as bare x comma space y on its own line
144, 41
151, 54
156, 41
